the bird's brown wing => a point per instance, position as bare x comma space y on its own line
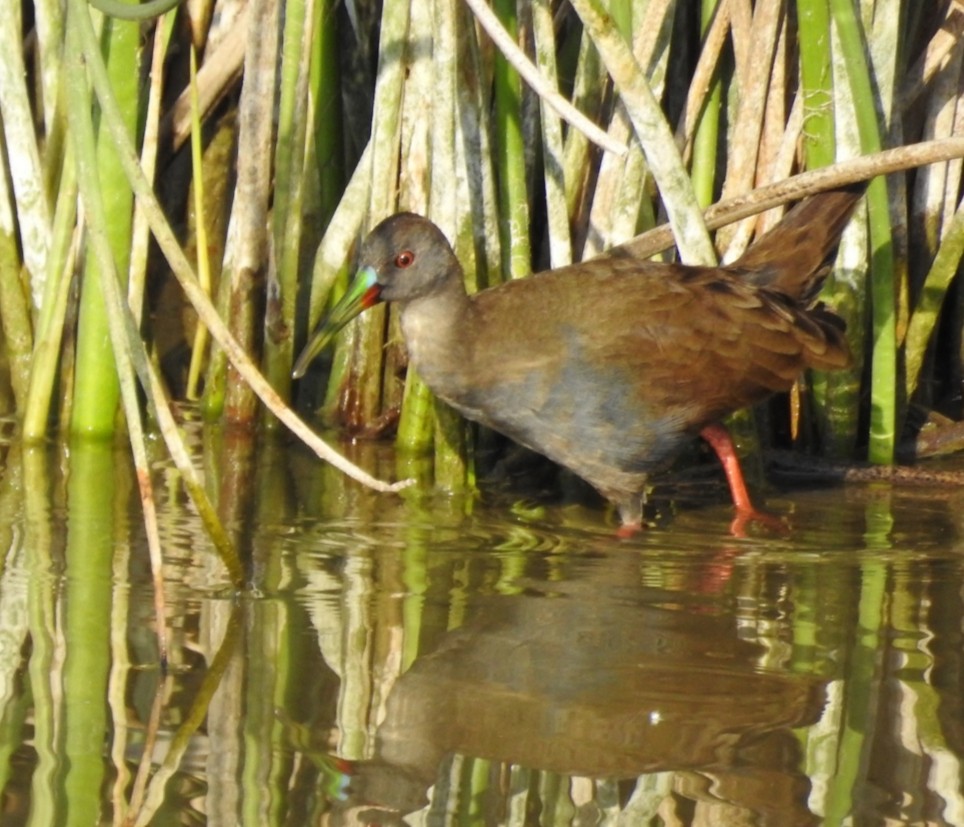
681, 337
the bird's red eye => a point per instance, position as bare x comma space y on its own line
405, 259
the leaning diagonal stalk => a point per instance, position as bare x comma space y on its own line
547, 92
653, 132
804, 184
140, 234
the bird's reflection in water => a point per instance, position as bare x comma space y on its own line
602, 678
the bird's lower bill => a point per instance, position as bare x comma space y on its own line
362, 293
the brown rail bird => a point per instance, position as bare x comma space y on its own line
609, 366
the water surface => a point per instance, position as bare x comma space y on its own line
427, 659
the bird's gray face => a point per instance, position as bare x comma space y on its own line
405, 257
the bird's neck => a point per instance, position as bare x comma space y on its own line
436, 335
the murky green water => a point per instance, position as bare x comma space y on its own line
422, 660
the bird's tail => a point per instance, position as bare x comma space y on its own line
792, 257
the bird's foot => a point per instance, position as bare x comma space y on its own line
629, 530
750, 516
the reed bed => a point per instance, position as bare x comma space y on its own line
184, 186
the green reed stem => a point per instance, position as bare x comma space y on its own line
364, 340
20, 166
201, 232
560, 244
328, 132
589, 89
182, 270
816, 81
328, 123
50, 321
448, 209
21, 149
510, 157
707, 133
15, 319
289, 189
96, 388
120, 320
477, 235
452, 464
248, 260
836, 395
427, 148
923, 322
417, 423
883, 381
331, 260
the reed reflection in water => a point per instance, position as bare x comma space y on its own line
422, 660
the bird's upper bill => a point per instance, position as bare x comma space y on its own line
363, 292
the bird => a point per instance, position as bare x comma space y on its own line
610, 366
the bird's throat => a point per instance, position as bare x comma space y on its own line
437, 332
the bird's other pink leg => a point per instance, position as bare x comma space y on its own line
628, 530
630, 516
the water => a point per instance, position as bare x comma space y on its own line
430, 660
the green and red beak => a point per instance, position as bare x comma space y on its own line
362, 293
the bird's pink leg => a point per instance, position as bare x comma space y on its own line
722, 443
